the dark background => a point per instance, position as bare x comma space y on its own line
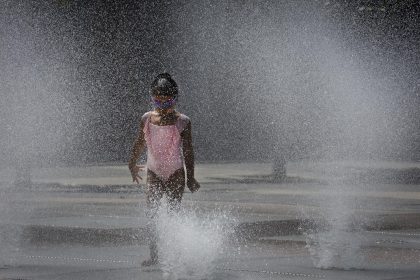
75, 77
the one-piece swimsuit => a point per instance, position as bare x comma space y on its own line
164, 146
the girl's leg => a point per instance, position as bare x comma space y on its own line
174, 190
155, 190
153, 197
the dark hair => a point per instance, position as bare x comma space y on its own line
163, 84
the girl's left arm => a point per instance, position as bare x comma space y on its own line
188, 153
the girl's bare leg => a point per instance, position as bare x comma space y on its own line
174, 189
154, 195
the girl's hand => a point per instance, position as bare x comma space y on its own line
135, 173
193, 185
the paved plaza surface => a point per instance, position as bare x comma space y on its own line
88, 222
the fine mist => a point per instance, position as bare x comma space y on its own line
303, 80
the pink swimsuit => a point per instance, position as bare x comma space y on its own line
164, 149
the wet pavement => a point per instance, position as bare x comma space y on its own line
263, 259
88, 223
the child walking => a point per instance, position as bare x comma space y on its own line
166, 133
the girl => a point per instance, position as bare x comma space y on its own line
167, 135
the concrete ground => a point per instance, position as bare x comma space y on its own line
88, 222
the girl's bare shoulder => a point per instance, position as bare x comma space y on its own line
144, 118
146, 115
182, 117
183, 122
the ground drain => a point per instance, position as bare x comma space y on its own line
77, 259
396, 233
278, 273
288, 274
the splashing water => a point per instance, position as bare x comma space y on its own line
189, 244
336, 248
338, 244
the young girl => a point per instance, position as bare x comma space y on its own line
167, 135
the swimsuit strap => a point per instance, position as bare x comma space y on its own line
146, 120
181, 123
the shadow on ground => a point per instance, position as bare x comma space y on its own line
389, 176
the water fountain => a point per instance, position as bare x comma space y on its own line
37, 117
318, 94
291, 87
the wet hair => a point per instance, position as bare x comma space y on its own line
163, 84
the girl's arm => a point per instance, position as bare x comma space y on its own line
138, 148
188, 152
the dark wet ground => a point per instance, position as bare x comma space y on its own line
93, 230
259, 259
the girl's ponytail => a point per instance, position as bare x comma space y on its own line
163, 84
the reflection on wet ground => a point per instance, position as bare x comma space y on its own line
94, 230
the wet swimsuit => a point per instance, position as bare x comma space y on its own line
165, 170
164, 146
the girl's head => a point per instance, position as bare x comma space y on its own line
164, 91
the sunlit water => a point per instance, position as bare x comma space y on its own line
338, 243
318, 97
189, 244
336, 249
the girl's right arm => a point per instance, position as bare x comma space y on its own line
138, 148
